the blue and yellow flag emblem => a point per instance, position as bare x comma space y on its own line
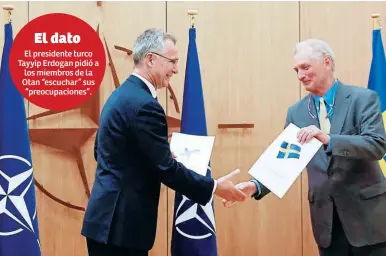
288, 150
377, 78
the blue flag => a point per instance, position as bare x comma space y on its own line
19, 233
377, 78
194, 224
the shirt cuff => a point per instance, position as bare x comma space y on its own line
258, 193
214, 186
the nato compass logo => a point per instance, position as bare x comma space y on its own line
288, 150
195, 221
15, 215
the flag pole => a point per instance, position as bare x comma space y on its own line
8, 12
192, 14
376, 21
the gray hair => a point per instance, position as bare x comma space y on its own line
151, 40
319, 49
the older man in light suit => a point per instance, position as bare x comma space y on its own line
347, 189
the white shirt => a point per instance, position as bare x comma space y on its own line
154, 94
149, 85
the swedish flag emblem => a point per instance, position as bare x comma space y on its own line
377, 78
288, 150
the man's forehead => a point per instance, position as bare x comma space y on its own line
170, 48
169, 44
303, 58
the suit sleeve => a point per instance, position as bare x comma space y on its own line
151, 129
263, 190
370, 144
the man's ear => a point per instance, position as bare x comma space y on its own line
328, 61
149, 60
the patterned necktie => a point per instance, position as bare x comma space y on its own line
323, 117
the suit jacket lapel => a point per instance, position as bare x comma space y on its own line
342, 102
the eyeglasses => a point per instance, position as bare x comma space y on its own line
173, 61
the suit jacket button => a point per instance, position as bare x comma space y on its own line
329, 198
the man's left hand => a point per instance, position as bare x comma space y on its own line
307, 133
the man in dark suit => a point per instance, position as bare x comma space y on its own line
347, 189
133, 158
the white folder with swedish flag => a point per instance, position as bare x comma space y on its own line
283, 161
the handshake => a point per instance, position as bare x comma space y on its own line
231, 193
234, 193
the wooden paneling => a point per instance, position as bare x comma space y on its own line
347, 27
247, 77
19, 19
